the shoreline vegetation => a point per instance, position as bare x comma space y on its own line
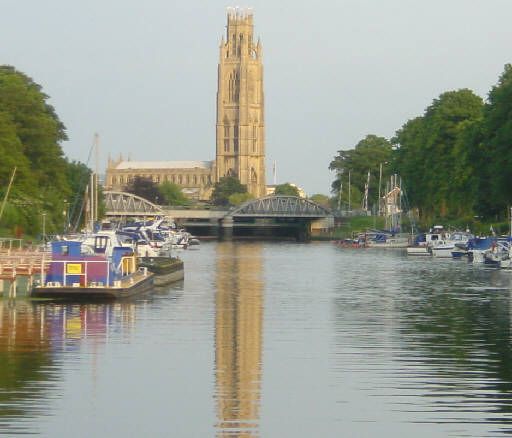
453, 161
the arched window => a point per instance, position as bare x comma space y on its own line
180, 179
195, 179
254, 138
254, 176
235, 139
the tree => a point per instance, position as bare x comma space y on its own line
144, 187
239, 198
433, 157
286, 189
78, 176
496, 138
320, 199
30, 136
171, 194
368, 156
227, 185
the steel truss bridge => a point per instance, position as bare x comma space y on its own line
283, 214
280, 207
128, 204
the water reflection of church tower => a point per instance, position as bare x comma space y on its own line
238, 337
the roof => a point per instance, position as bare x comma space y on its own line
123, 165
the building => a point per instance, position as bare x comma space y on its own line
194, 177
240, 104
240, 128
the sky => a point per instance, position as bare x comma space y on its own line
143, 75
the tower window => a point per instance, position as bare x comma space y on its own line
226, 145
235, 140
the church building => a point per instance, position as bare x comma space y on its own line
240, 128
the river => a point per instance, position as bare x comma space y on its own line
269, 339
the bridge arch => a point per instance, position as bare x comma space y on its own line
281, 206
128, 204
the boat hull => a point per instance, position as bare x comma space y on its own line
443, 252
421, 251
166, 270
141, 283
391, 244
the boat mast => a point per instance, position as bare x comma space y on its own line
7, 192
96, 172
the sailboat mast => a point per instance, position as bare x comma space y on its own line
96, 173
7, 192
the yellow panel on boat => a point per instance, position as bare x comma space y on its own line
73, 268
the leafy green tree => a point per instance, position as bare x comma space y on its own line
144, 187
368, 156
433, 157
30, 136
239, 198
497, 135
320, 199
227, 186
286, 189
171, 194
78, 176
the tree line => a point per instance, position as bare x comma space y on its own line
226, 192
454, 160
45, 181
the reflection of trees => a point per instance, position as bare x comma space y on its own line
32, 336
462, 333
26, 364
238, 337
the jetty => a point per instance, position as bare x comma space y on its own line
20, 262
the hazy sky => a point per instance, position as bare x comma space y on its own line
143, 73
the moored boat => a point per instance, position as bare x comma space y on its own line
454, 242
166, 269
73, 274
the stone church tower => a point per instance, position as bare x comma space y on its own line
240, 123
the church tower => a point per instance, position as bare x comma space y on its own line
240, 124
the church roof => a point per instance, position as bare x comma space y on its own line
124, 165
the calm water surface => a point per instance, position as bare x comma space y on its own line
270, 340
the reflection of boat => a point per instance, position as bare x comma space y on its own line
73, 274
166, 269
